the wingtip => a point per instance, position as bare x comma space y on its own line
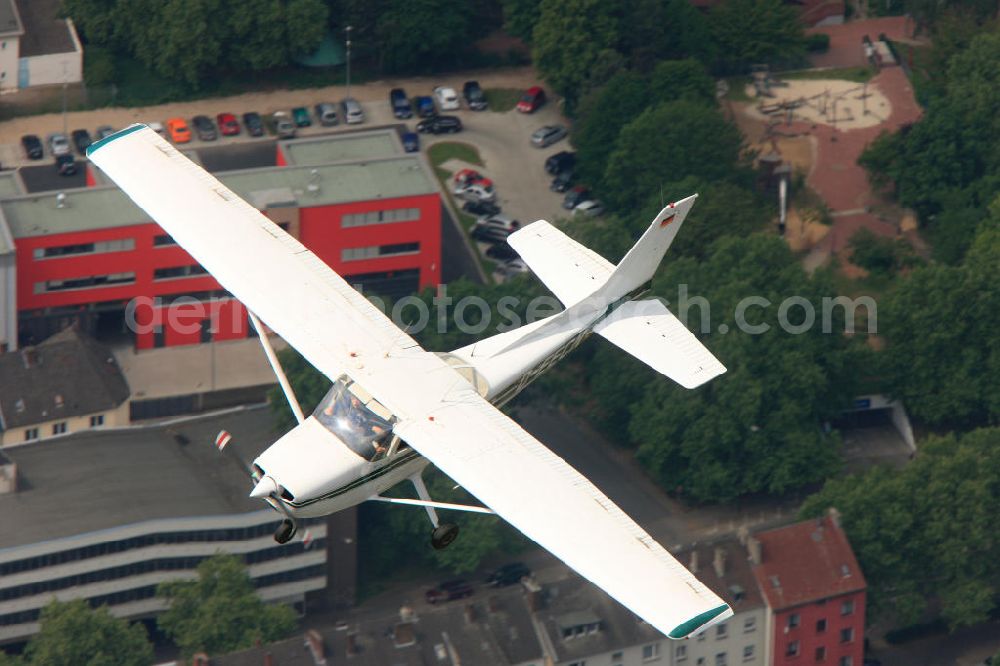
700, 622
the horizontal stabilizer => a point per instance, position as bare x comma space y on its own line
651, 333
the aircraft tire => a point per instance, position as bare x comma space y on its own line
286, 530
443, 535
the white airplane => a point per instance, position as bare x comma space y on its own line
395, 407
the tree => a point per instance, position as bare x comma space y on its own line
758, 428
74, 633
220, 612
416, 35
880, 255
567, 39
748, 32
681, 79
520, 17
927, 530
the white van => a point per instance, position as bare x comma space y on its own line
352, 111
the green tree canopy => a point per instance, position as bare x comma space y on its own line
74, 633
927, 530
520, 17
748, 32
220, 612
419, 35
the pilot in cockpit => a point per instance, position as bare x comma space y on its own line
355, 423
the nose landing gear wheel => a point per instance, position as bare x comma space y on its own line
285, 531
443, 535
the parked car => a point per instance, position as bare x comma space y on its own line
228, 124
32, 147
562, 181
103, 131
546, 136
590, 208
512, 573
481, 208
440, 125
474, 96
446, 98
58, 144
575, 196
501, 252
510, 269
254, 123
485, 233
352, 111
81, 139
425, 106
300, 116
532, 100
283, 125
466, 177
158, 128
560, 162
449, 590
411, 142
326, 113
66, 164
204, 128
400, 104
508, 224
178, 130
481, 190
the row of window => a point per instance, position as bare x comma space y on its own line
149, 591
722, 630
147, 566
118, 245
721, 658
846, 636
374, 251
379, 217
31, 434
846, 608
178, 271
111, 279
144, 541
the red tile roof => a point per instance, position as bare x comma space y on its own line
806, 562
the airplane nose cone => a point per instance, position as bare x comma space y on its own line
264, 488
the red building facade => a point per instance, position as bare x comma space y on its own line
815, 593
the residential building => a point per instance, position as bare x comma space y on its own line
66, 384
107, 516
815, 593
38, 47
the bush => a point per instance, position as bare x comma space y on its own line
879, 255
817, 43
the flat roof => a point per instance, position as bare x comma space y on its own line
354, 146
10, 184
10, 23
105, 207
97, 480
44, 31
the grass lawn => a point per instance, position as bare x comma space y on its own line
855, 74
439, 153
502, 99
738, 88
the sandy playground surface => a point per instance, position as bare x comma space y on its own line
842, 104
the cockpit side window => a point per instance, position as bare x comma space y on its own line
357, 419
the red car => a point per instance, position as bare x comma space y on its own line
532, 100
228, 124
467, 177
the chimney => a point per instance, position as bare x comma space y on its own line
719, 562
693, 567
200, 659
8, 475
470, 613
743, 533
492, 604
834, 516
753, 547
268, 659
314, 643
406, 614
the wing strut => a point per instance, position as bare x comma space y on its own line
273, 360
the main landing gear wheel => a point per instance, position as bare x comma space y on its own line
285, 531
443, 535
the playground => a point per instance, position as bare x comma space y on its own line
845, 105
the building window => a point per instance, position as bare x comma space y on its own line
748, 652
651, 652
701, 636
178, 272
846, 661
720, 659
792, 650
847, 607
821, 653
749, 625
119, 245
59, 428
84, 282
376, 251
793, 620
163, 240
379, 217
847, 635
616, 658
578, 663
681, 652
721, 631
820, 626
96, 421
30, 434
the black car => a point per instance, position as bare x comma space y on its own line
474, 96
502, 252
400, 104
254, 123
562, 181
440, 125
452, 589
508, 574
66, 165
32, 146
205, 128
488, 233
560, 162
481, 208
81, 139
575, 196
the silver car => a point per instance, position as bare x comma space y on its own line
352, 111
59, 144
546, 136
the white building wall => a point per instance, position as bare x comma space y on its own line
55, 69
9, 49
744, 629
8, 298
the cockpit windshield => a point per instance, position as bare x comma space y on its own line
356, 418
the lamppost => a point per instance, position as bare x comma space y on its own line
348, 31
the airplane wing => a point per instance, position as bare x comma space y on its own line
440, 415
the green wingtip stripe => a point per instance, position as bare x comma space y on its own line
682, 630
92, 148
